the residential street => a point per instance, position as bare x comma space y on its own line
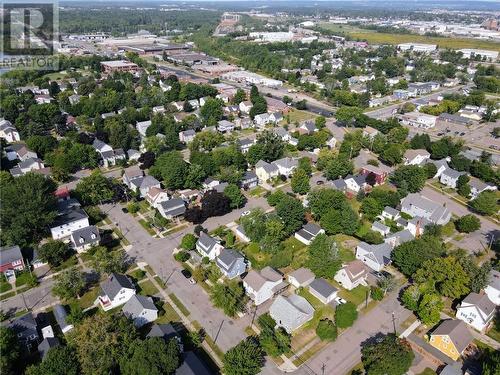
34, 298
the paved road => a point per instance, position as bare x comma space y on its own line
342, 355
158, 253
34, 299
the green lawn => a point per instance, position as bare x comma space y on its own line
298, 116
88, 298
22, 279
258, 258
169, 315
7, 295
147, 288
147, 227
138, 274
494, 334
257, 191
179, 304
356, 296
322, 311
70, 262
346, 255
428, 371
4, 286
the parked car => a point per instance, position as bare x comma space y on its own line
186, 274
340, 301
124, 210
245, 213
320, 182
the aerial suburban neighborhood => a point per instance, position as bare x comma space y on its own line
252, 188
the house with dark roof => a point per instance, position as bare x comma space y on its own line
291, 312
477, 310
166, 332
356, 183
11, 259
452, 338
61, 318
352, 275
323, 290
398, 238
131, 173
140, 309
231, 263
339, 184
143, 184
116, 290
26, 329
47, 344
69, 220
249, 180
308, 233
85, 238
208, 246
172, 208
192, 365
374, 256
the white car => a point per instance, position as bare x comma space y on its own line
340, 301
245, 213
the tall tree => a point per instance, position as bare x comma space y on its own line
153, 356
324, 260
11, 351
95, 189
60, 360
389, 356
246, 358
69, 284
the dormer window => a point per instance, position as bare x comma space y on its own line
93, 236
81, 240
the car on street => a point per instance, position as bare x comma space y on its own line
320, 182
340, 301
245, 213
124, 210
186, 273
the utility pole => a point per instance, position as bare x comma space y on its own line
323, 367
366, 299
217, 335
394, 322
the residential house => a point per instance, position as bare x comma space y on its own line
374, 256
68, 221
131, 173
351, 275
477, 186
19, 151
225, 126
416, 157
143, 184
441, 166
370, 132
84, 238
47, 344
281, 133
390, 213
452, 338
108, 156
339, 184
245, 106
300, 277
141, 310
133, 155
231, 263
263, 285
159, 109
323, 290
142, 127
450, 177
116, 290
221, 187
245, 144
210, 184
26, 330
418, 205
187, 136
156, 195
477, 310
11, 260
331, 142
378, 175
192, 365
308, 127
493, 287
416, 225
240, 232
291, 312
418, 120
398, 238
208, 246
249, 180
61, 316
383, 229
447, 119
9, 131
308, 233
172, 208
266, 171
28, 165
356, 183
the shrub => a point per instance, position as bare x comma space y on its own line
182, 256
326, 330
376, 293
133, 207
345, 315
468, 223
188, 242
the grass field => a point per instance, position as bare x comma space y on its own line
388, 38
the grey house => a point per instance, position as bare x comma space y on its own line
141, 310
166, 332
84, 238
249, 180
47, 344
291, 312
192, 365
323, 290
61, 315
172, 208
231, 263
26, 329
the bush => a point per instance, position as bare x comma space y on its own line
188, 242
376, 293
182, 256
468, 223
345, 315
326, 330
205, 260
133, 207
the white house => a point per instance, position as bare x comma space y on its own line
85, 238
143, 184
116, 290
246, 106
208, 246
142, 127
477, 186
323, 290
266, 171
417, 205
187, 136
416, 157
301, 277
308, 233
263, 285
156, 195
493, 287
374, 256
68, 222
8, 131
381, 228
418, 120
477, 311
141, 310
355, 183
370, 132
286, 166
240, 232
441, 166
291, 312
131, 173
352, 275
450, 177
390, 213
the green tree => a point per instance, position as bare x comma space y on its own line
491, 362
338, 167
344, 220
196, 175
107, 262
230, 297
172, 168
323, 200
413, 175
27, 208
388, 356
468, 223
11, 351
69, 284
392, 154
326, 330
211, 112
54, 252
429, 309
371, 208
60, 360
300, 182
324, 260
95, 189
485, 203
291, 211
409, 256
246, 358
320, 122
236, 197
411, 297
274, 341
188, 241
153, 356
345, 315
239, 97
